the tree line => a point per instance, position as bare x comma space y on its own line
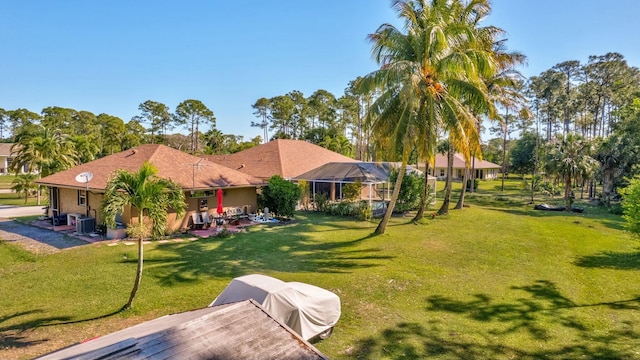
444, 73
440, 77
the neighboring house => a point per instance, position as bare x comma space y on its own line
199, 178
329, 179
241, 330
484, 170
6, 158
286, 158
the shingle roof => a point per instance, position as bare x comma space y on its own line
287, 158
365, 172
189, 171
5, 149
458, 162
241, 330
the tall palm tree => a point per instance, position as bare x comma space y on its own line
151, 196
427, 76
24, 184
569, 157
43, 150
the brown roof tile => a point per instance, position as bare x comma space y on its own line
287, 158
5, 149
458, 162
187, 170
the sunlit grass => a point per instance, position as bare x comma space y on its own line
497, 280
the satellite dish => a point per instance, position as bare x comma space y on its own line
84, 177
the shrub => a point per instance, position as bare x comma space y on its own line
631, 205
410, 191
321, 201
476, 183
280, 196
365, 213
352, 191
305, 193
615, 209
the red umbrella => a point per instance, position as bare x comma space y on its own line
219, 210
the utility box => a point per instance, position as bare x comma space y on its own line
85, 225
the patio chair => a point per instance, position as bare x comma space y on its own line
206, 219
197, 221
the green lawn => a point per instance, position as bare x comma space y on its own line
15, 199
12, 198
497, 280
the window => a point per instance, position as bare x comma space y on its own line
9, 161
82, 197
441, 172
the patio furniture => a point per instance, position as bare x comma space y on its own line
197, 221
206, 219
57, 220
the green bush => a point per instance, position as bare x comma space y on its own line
365, 213
410, 191
352, 191
476, 183
631, 206
615, 209
321, 202
280, 196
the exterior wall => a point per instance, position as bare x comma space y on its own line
458, 173
4, 165
242, 197
69, 202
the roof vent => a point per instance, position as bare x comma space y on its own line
241, 166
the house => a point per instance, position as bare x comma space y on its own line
286, 158
240, 330
71, 194
484, 170
6, 158
329, 179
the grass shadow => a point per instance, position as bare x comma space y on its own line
274, 249
541, 303
611, 260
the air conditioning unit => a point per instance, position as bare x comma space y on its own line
85, 225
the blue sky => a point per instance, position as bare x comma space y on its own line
111, 56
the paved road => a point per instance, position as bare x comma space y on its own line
11, 211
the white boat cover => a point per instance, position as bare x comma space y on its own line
307, 309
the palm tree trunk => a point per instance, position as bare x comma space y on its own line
444, 209
394, 197
138, 280
473, 174
465, 179
567, 193
425, 193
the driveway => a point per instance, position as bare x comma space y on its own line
35, 239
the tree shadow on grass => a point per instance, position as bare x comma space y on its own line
541, 306
275, 250
610, 221
611, 260
12, 336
